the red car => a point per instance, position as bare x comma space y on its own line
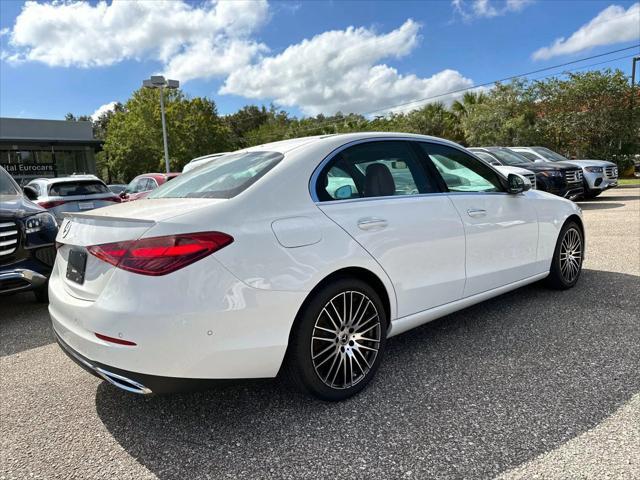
140, 186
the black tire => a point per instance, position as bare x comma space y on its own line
566, 264
42, 293
306, 365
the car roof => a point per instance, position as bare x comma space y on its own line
210, 155
170, 174
69, 178
285, 146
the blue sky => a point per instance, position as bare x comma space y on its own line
307, 57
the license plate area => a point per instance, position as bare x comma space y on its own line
76, 266
85, 205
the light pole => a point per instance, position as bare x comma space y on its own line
158, 81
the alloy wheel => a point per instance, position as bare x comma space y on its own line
346, 339
571, 255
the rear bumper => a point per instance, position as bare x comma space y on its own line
199, 323
20, 279
134, 382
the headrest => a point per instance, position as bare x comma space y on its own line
378, 181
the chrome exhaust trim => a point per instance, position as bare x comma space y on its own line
121, 382
114, 379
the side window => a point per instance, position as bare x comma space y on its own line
460, 171
487, 158
36, 187
374, 169
528, 155
146, 184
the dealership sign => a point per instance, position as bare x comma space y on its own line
30, 169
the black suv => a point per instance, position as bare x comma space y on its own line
562, 179
27, 241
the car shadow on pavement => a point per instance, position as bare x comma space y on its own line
24, 324
617, 198
599, 205
470, 395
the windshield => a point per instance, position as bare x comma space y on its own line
7, 185
228, 176
487, 157
69, 189
507, 157
550, 154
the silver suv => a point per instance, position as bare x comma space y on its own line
76, 193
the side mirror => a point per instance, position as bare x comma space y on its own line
30, 192
518, 184
123, 194
343, 192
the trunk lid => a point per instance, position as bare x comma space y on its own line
117, 223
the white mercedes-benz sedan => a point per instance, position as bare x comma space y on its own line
301, 256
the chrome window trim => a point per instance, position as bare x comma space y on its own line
316, 172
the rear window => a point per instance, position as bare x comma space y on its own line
225, 178
76, 187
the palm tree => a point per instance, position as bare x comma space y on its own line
461, 108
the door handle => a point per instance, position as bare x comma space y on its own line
372, 223
476, 212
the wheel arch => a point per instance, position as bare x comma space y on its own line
359, 273
576, 218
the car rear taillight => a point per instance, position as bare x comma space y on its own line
115, 199
160, 255
50, 204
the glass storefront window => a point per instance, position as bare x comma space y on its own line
66, 160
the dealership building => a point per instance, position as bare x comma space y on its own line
46, 148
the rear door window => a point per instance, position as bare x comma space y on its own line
75, 188
374, 169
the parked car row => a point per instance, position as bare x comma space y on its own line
598, 175
572, 179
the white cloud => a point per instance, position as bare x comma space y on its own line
338, 71
470, 9
102, 109
612, 25
202, 41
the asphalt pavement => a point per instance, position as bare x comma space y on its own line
532, 384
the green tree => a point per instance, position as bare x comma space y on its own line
505, 117
460, 108
432, 119
133, 142
589, 115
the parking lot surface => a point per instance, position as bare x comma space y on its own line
532, 384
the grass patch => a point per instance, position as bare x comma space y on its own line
629, 181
